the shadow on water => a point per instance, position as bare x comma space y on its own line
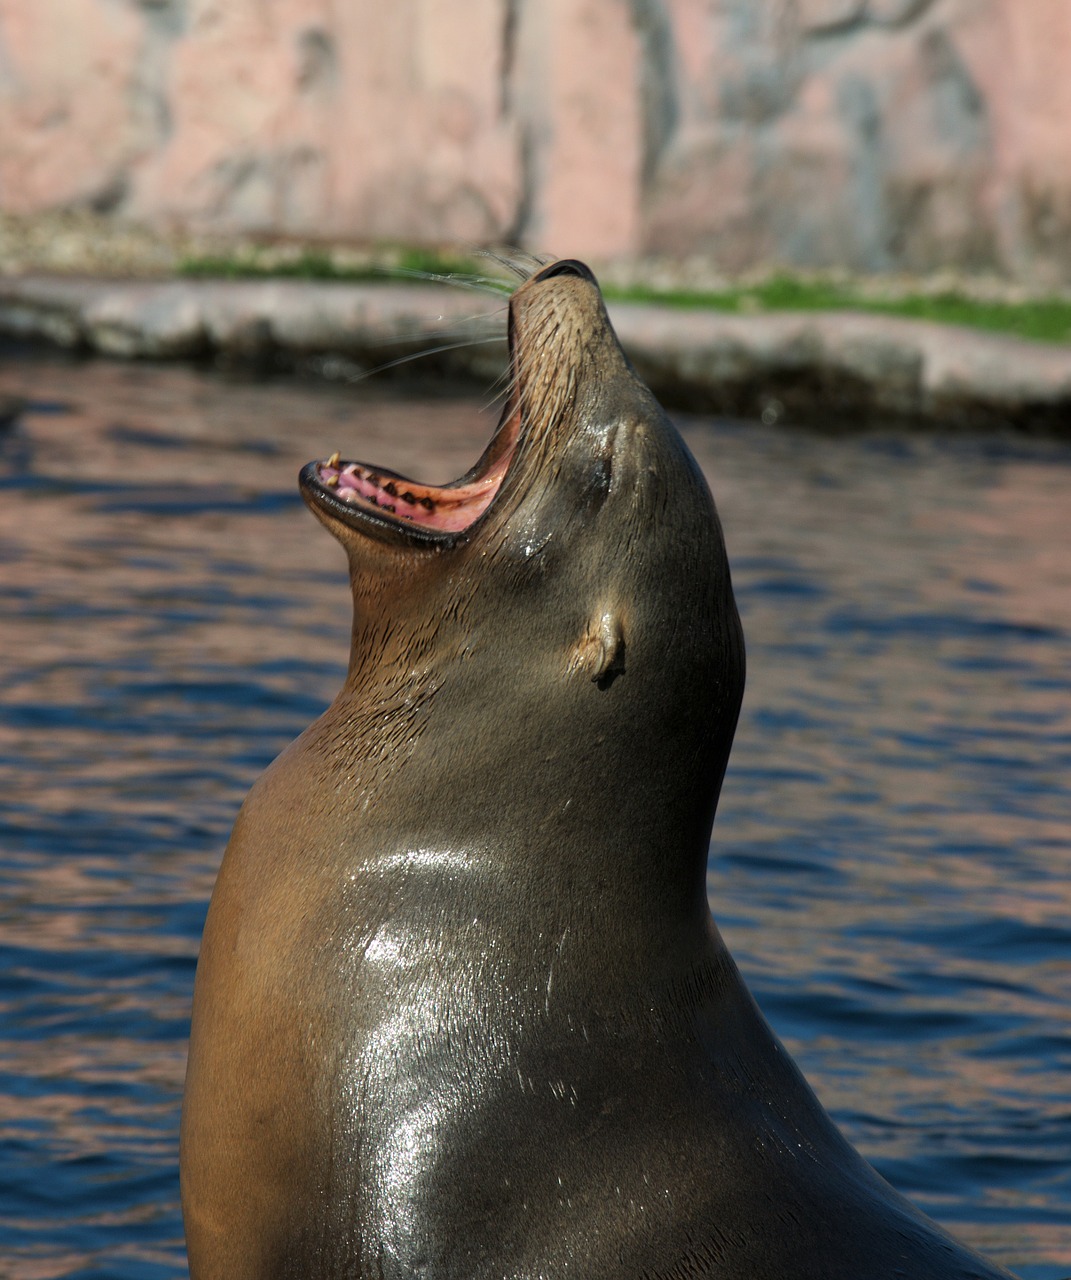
890, 863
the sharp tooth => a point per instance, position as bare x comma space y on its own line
332, 482
334, 459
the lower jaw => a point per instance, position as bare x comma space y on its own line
410, 505
450, 509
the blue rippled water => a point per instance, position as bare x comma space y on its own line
892, 858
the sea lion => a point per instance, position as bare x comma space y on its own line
461, 1009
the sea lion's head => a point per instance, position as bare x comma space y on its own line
561, 616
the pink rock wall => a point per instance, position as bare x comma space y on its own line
876, 134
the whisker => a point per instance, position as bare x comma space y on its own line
509, 263
490, 324
479, 284
499, 391
538, 260
489, 320
425, 351
507, 380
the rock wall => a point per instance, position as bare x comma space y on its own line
875, 134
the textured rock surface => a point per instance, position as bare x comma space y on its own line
837, 369
875, 134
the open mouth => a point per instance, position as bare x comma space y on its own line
382, 503
373, 499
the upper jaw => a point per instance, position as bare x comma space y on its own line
381, 503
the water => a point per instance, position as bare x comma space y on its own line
891, 860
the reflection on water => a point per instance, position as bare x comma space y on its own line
891, 859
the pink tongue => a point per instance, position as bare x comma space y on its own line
449, 510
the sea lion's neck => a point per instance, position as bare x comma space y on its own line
527, 790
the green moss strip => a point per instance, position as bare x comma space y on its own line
1045, 319
317, 264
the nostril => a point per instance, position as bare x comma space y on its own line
567, 267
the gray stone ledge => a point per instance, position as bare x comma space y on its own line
836, 369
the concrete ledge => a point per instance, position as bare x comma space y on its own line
838, 370
845, 369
